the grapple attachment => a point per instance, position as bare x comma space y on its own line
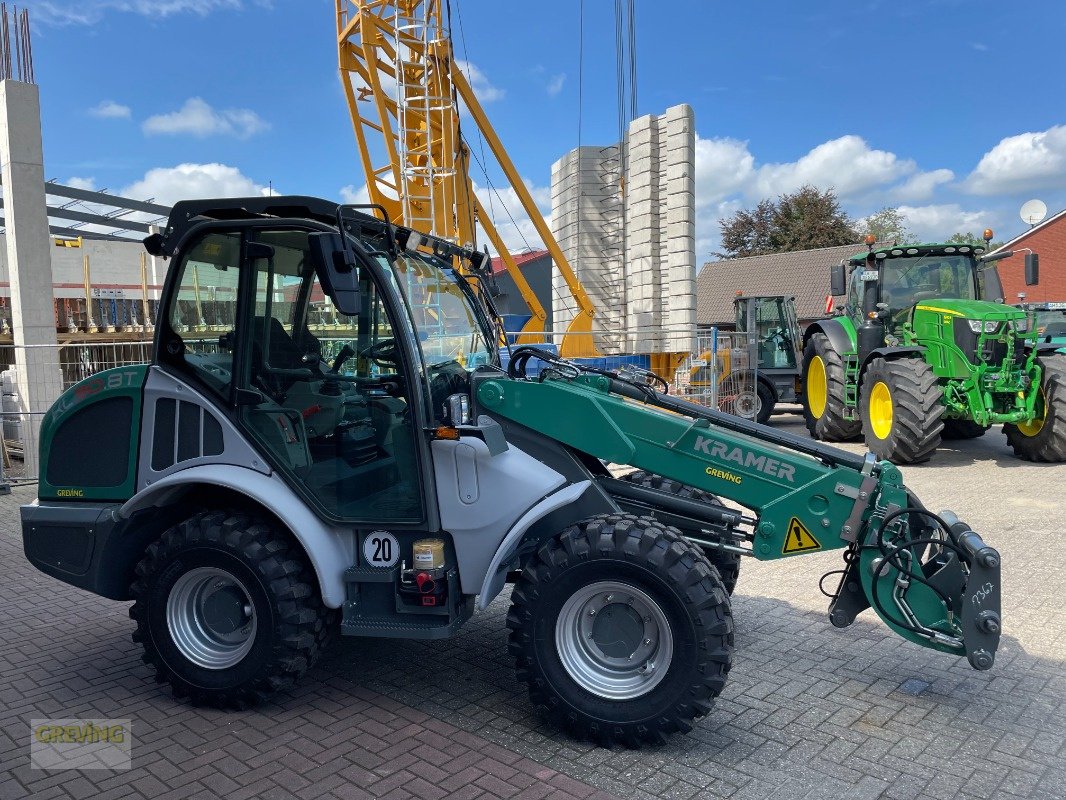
930, 578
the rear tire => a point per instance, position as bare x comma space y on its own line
962, 429
902, 406
1044, 439
823, 375
227, 610
682, 616
727, 564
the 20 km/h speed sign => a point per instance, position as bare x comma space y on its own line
380, 549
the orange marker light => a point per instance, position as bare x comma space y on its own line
870, 239
988, 234
444, 432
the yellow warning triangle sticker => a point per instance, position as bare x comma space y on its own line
799, 539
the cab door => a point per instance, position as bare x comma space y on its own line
329, 397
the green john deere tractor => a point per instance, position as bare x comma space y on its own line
344, 448
926, 350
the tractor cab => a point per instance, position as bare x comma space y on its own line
335, 397
771, 321
896, 280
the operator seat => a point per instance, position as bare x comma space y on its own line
283, 352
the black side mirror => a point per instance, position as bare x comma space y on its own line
335, 266
838, 280
154, 245
1032, 269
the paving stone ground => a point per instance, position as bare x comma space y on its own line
809, 712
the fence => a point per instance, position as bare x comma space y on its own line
72, 362
719, 372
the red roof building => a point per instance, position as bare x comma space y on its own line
1048, 240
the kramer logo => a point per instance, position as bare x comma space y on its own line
745, 458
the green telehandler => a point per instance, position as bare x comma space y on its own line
341, 449
926, 350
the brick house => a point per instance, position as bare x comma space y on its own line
1048, 239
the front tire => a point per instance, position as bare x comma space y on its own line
902, 408
822, 396
727, 564
226, 610
1044, 438
656, 655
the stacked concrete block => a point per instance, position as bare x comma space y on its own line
632, 242
678, 215
587, 222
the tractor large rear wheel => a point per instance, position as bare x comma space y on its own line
823, 392
621, 629
902, 408
1044, 437
727, 564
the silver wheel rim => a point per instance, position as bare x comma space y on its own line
748, 405
211, 617
614, 640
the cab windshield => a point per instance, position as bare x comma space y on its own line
906, 281
445, 312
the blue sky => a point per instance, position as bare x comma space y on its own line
953, 110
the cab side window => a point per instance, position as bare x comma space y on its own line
203, 310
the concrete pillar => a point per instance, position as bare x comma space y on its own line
29, 249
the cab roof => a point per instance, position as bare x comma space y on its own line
926, 248
187, 213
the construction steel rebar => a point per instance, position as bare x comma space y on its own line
16, 52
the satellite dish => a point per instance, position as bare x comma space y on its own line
1033, 212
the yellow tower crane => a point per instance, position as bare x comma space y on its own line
397, 62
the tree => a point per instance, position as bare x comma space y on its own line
806, 219
969, 238
748, 233
888, 225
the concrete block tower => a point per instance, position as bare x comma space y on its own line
625, 217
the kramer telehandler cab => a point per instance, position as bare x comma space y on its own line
341, 449
925, 349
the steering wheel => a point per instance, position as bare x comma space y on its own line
384, 353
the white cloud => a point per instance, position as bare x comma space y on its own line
109, 109
937, 222
979, 46
723, 167
1022, 163
350, 194
922, 185
197, 118
168, 185
728, 177
555, 84
479, 82
82, 12
88, 184
847, 165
